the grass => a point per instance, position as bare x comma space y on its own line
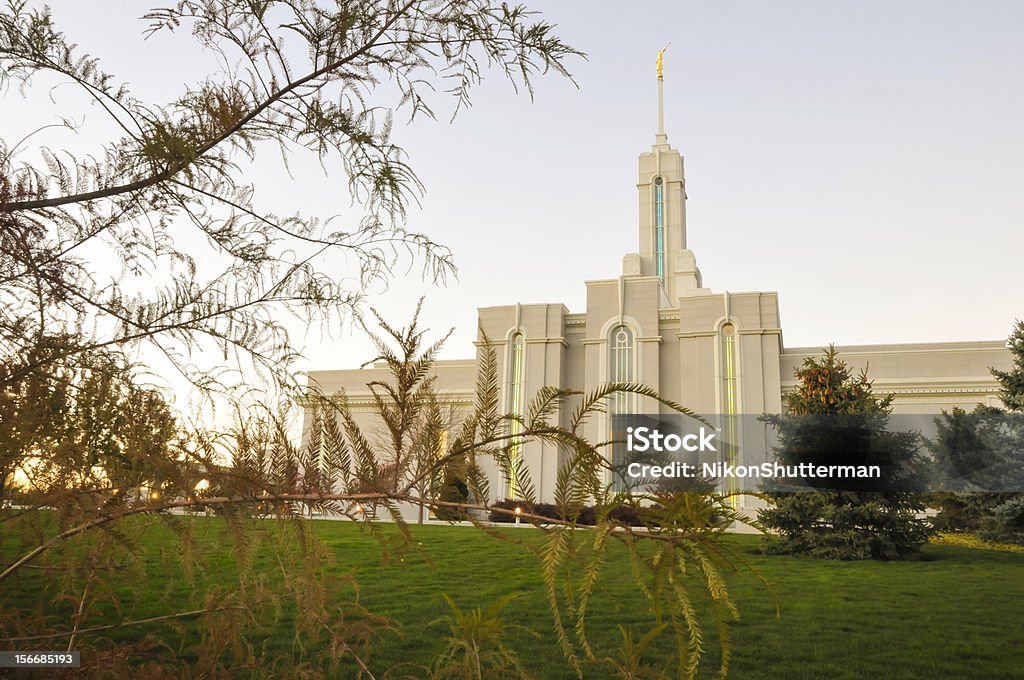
955, 613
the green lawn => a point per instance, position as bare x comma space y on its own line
956, 613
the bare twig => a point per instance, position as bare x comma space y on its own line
122, 624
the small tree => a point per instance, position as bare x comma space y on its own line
832, 412
81, 429
477, 646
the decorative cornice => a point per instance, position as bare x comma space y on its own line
361, 403
937, 389
575, 320
922, 348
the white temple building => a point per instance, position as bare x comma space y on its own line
714, 350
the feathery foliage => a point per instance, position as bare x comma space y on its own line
254, 473
476, 645
206, 274
154, 244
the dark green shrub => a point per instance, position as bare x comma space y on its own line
587, 515
453, 491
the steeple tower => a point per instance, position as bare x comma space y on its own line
661, 187
661, 137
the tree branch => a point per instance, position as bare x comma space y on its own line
203, 149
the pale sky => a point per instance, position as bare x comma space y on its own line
864, 160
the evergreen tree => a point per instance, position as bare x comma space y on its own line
987, 445
1012, 381
1006, 521
832, 416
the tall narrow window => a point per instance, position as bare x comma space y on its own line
729, 369
620, 370
659, 225
620, 365
729, 399
515, 405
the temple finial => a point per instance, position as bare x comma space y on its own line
661, 54
661, 138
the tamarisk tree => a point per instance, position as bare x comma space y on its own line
202, 274
679, 558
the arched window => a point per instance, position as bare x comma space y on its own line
620, 370
515, 373
659, 226
728, 369
514, 392
620, 366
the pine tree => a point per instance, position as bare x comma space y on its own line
994, 442
832, 416
1006, 521
1012, 381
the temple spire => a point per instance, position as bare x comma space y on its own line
661, 137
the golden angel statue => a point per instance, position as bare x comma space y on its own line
661, 54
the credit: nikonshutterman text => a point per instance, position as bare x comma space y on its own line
763, 470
